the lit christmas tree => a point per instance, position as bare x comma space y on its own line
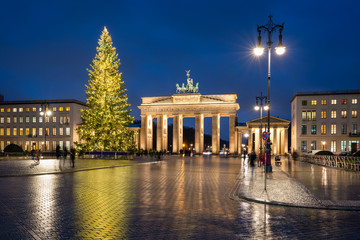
105, 119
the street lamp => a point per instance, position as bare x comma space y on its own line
269, 28
257, 108
45, 112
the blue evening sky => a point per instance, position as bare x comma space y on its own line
46, 47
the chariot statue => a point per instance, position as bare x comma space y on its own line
190, 88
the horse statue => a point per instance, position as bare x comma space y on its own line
178, 88
196, 88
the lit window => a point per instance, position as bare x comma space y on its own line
1, 131
333, 114
313, 129
54, 119
47, 131
313, 102
2, 110
27, 131
344, 101
61, 109
34, 120
21, 119
34, 132
323, 128
8, 110
354, 101
21, 131
40, 119
67, 131
15, 119
313, 145
323, 114
61, 131
344, 114
333, 101
8, 120
14, 109
34, 109
47, 119
2, 120
333, 146
354, 113
333, 128
14, 131
67, 109
304, 115
27, 109
343, 146
303, 146
54, 109
54, 132
21, 109
8, 132
40, 131
27, 119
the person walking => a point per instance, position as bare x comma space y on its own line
72, 156
252, 158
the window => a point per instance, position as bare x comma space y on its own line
15, 119
34, 109
313, 145
1, 131
67, 131
313, 102
8, 120
333, 128
343, 128
344, 101
40, 119
61, 109
14, 109
21, 131
333, 101
54, 145
21, 109
2, 120
313, 129
343, 146
303, 114
54, 119
304, 102
21, 119
354, 113
27, 131
47, 119
8, 132
333, 114
34, 132
354, 128
323, 128
61, 145
61, 131
343, 113
27, 109
306, 115
354, 101
303, 129
303, 146
67, 145
8, 110
333, 146
54, 131
68, 109
323, 114
2, 110
27, 119
54, 109
34, 120
47, 130
40, 131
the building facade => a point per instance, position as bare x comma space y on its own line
325, 121
25, 124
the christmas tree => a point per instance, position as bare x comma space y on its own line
104, 121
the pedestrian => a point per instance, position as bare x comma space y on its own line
252, 158
72, 156
57, 152
65, 152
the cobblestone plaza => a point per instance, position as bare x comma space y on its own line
176, 198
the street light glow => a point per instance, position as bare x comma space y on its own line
258, 51
266, 107
280, 50
257, 107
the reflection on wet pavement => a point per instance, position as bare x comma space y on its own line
174, 199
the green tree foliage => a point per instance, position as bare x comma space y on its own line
105, 119
11, 148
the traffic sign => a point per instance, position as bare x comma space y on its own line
265, 135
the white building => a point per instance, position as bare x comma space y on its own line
325, 121
23, 123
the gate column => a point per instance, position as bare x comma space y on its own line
199, 133
177, 133
215, 133
232, 134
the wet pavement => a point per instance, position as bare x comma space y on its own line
177, 198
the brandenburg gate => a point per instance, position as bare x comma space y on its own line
187, 102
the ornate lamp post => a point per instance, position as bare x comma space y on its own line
269, 28
45, 112
257, 108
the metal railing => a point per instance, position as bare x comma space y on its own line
342, 162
